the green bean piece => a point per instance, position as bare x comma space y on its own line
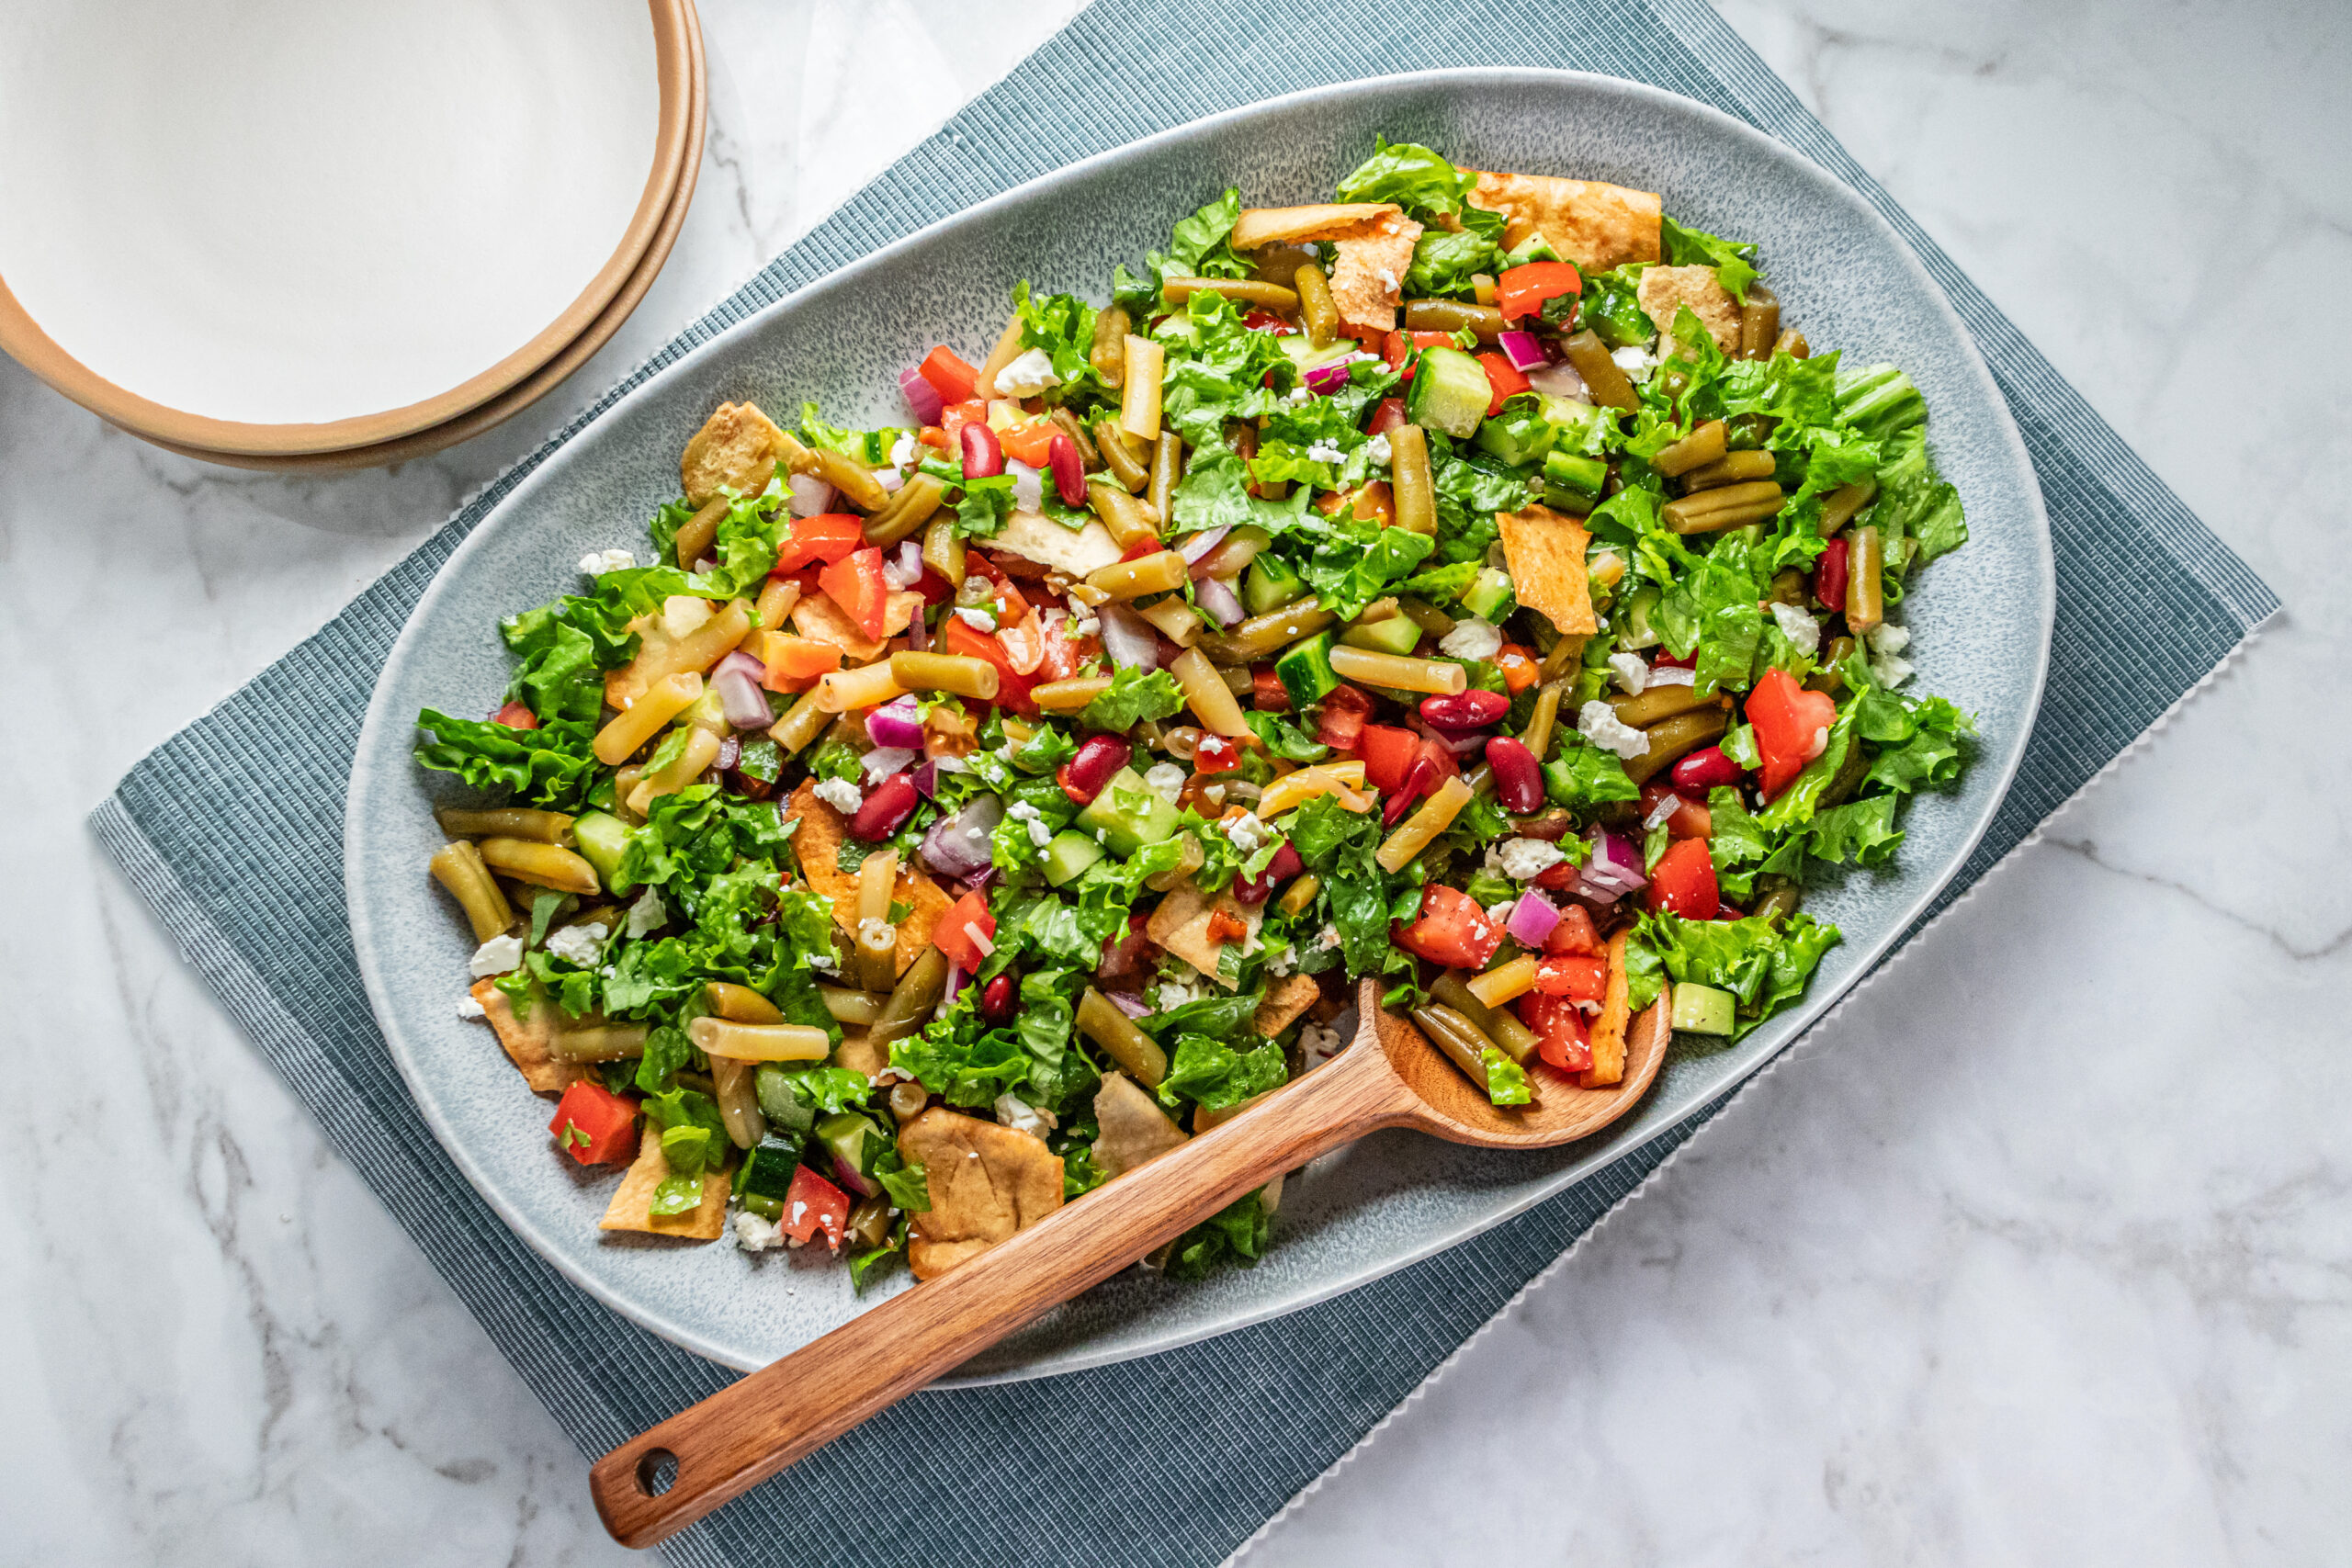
1316, 309
1409, 482
1275, 297
1460, 1039
506, 822
1658, 703
1455, 316
1674, 738
1118, 456
1099, 1020
596, 1042
696, 532
1261, 636
1790, 586
1702, 446
1791, 342
460, 868
1759, 322
1108, 353
1842, 503
1865, 569
1847, 780
1731, 469
868, 1225
916, 992
1777, 899
1537, 737
1606, 383
1733, 506
1498, 1023
1828, 678
853, 479
943, 549
1167, 468
1426, 616
908, 511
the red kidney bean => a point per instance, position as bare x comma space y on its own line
996, 1000
1829, 575
1519, 780
887, 807
1083, 776
983, 453
1464, 710
1421, 778
1281, 869
1704, 769
1070, 473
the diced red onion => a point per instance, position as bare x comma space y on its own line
927, 779
1560, 380
902, 568
1028, 485
1532, 919
897, 722
1593, 893
886, 761
958, 845
1667, 805
731, 752
705, 566
922, 397
1218, 600
740, 697
1127, 638
1201, 543
918, 633
1328, 379
739, 659
1129, 1003
1524, 350
1615, 865
811, 495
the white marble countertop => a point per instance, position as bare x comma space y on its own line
2039, 1252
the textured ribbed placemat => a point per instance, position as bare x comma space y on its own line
1176, 1458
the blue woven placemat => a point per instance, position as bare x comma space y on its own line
1181, 1457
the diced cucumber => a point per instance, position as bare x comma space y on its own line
1571, 483
1515, 439
1398, 634
1583, 428
853, 1141
777, 1102
601, 838
1070, 854
1489, 595
1269, 585
1638, 632
767, 1170
1129, 814
1701, 1010
1450, 393
1305, 670
1307, 356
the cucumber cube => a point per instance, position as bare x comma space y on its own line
1305, 670
1070, 854
601, 838
1701, 1010
1398, 634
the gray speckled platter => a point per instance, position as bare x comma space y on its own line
1981, 620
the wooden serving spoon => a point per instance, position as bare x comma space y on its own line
1389, 1077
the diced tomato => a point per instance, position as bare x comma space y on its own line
1522, 291
594, 1125
1450, 929
948, 375
1066, 653
1441, 762
1556, 877
1683, 882
1374, 503
1504, 378
826, 538
1261, 320
1401, 343
1149, 544
1344, 709
1578, 979
966, 932
515, 715
933, 436
812, 1204
1575, 935
795, 661
959, 636
1224, 927
1031, 444
1268, 694
855, 584
956, 416
1388, 754
1387, 417
1130, 954
1678, 660
1691, 820
932, 587
1829, 575
1519, 668
1791, 726
1216, 755
1561, 1038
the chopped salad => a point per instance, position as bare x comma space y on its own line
1474, 582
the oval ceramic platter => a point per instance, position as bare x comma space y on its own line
1981, 631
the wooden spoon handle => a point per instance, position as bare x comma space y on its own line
748, 1431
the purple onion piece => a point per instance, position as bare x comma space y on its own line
922, 397
1328, 379
958, 845
1220, 601
927, 780
897, 723
742, 699
1201, 543
1127, 638
1532, 919
1524, 350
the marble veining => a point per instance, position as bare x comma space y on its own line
2036, 1252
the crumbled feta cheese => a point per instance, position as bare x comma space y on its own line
579, 944
1890, 670
1249, 834
1887, 638
1522, 860
1673, 675
1472, 639
1167, 779
468, 1008
902, 451
1634, 361
1024, 1117
1176, 993
1379, 451
497, 955
1388, 280
595, 563
1318, 1044
824, 961
1631, 671
647, 915
1298, 395
1028, 375
883, 761
976, 617
840, 794
753, 1234
1802, 630
1500, 912
1598, 723
1041, 832
1282, 961
1328, 937
1326, 452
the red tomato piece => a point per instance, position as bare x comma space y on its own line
1032, 444
1521, 290
1683, 882
966, 932
1343, 711
1387, 417
1401, 344
1268, 694
1216, 755
1561, 1037
1578, 979
1261, 320
812, 1204
959, 636
1575, 935
515, 715
1518, 666
1691, 820
1450, 929
826, 538
795, 663
948, 375
956, 416
1504, 378
1791, 726
855, 584
594, 1125
1388, 756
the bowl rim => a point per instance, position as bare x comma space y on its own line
1789, 1027
676, 46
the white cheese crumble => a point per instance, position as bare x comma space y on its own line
902, 451
883, 761
1298, 394
840, 794
1318, 1044
1282, 961
1887, 638
1598, 723
468, 1008
1028, 375
1326, 452
1802, 630
1634, 361
1500, 912
1388, 280
578, 944
1890, 670
1472, 639
1176, 993
1328, 937
1166, 779
973, 617
1522, 860
1024, 1117
595, 563
1040, 833
753, 1234
1632, 673
1379, 451
1247, 834
497, 955
647, 915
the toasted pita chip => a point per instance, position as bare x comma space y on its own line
859, 1053
986, 1183
1288, 225
1597, 226
1285, 1000
1664, 290
1034, 537
1135, 1131
525, 1040
899, 607
1367, 281
818, 843
1181, 925
1545, 553
632, 1205
727, 452
818, 616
